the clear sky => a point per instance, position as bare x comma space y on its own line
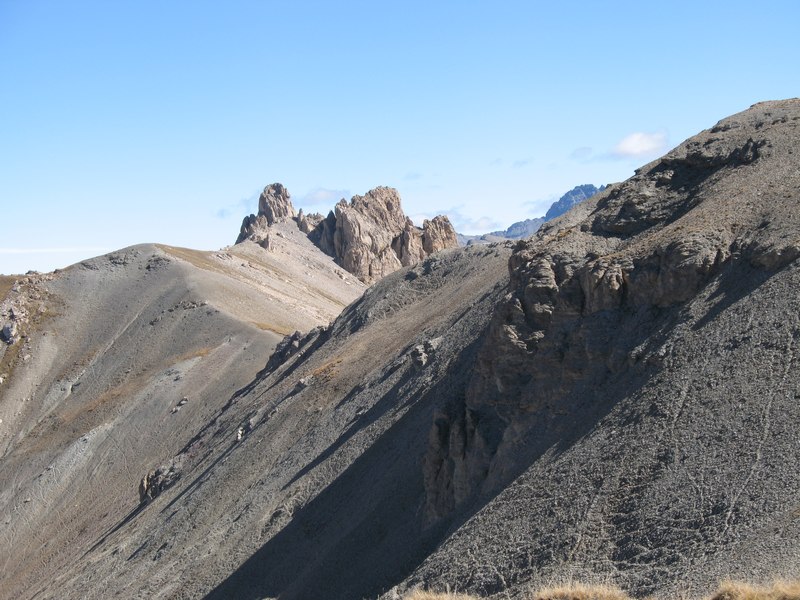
129, 122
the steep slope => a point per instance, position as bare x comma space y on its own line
635, 400
117, 362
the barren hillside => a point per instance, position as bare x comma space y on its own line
117, 362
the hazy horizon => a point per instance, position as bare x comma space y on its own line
133, 123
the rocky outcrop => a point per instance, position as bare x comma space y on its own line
308, 222
590, 293
155, 482
369, 236
274, 205
365, 230
408, 246
372, 237
438, 234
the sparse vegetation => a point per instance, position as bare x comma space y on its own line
198, 258
728, 590
280, 330
327, 371
423, 595
6, 283
578, 591
737, 590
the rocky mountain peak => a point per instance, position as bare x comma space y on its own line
370, 236
275, 204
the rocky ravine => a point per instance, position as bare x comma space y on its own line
370, 236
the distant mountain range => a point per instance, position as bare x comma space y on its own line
526, 228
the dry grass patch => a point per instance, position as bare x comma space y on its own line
728, 590
6, 283
198, 258
423, 595
577, 591
196, 353
273, 328
737, 590
327, 371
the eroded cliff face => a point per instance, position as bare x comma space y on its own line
370, 236
591, 290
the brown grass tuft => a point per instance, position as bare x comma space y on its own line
273, 328
728, 590
198, 258
423, 595
737, 590
577, 591
6, 283
196, 353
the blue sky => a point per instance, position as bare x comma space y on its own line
128, 122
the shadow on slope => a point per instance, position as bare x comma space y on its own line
365, 531
368, 529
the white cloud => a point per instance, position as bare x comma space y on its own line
639, 144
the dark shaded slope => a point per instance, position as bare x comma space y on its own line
666, 306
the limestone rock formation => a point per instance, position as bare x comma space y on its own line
408, 246
308, 222
274, 206
372, 237
438, 234
365, 230
369, 236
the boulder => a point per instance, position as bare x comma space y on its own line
9, 333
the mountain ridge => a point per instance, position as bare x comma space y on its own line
613, 398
